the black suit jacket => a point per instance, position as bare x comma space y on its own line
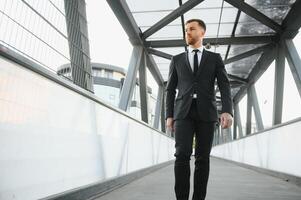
181, 77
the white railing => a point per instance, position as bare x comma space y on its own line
276, 149
55, 136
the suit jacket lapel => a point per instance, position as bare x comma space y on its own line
187, 62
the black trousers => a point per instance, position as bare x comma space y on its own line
185, 129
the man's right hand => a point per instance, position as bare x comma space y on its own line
170, 124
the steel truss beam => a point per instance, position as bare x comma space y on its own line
278, 85
213, 41
143, 90
294, 62
130, 79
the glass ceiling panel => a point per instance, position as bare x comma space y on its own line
147, 13
150, 18
168, 32
274, 9
239, 49
172, 50
211, 4
248, 26
212, 15
243, 67
209, 12
224, 30
153, 5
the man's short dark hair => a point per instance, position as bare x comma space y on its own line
199, 21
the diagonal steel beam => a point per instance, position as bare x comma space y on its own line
170, 17
183, 25
165, 43
254, 13
154, 70
214, 41
237, 78
159, 53
294, 62
143, 90
127, 21
130, 79
256, 108
235, 84
249, 112
233, 32
248, 53
278, 85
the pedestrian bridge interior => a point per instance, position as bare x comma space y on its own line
59, 140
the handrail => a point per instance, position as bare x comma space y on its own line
35, 67
298, 119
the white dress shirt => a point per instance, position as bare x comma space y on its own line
191, 55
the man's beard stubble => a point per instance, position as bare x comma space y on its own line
191, 41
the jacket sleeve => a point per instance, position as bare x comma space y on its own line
224, 86
171, 85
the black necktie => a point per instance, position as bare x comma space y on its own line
195, 61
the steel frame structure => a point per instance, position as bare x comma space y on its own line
278, 47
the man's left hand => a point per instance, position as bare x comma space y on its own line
226, 120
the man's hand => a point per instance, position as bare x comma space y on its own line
169, 123
226, 120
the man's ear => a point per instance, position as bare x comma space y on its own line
204, 32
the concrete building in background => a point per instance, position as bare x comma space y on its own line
107, 84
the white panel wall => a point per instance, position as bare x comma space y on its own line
53, 139
277, 149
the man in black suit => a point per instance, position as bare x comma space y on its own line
193, 111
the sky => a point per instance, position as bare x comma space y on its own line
107, 39
109, 44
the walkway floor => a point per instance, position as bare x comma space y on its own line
227, 181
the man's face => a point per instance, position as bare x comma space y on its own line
194, 33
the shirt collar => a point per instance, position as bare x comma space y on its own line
190, 49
